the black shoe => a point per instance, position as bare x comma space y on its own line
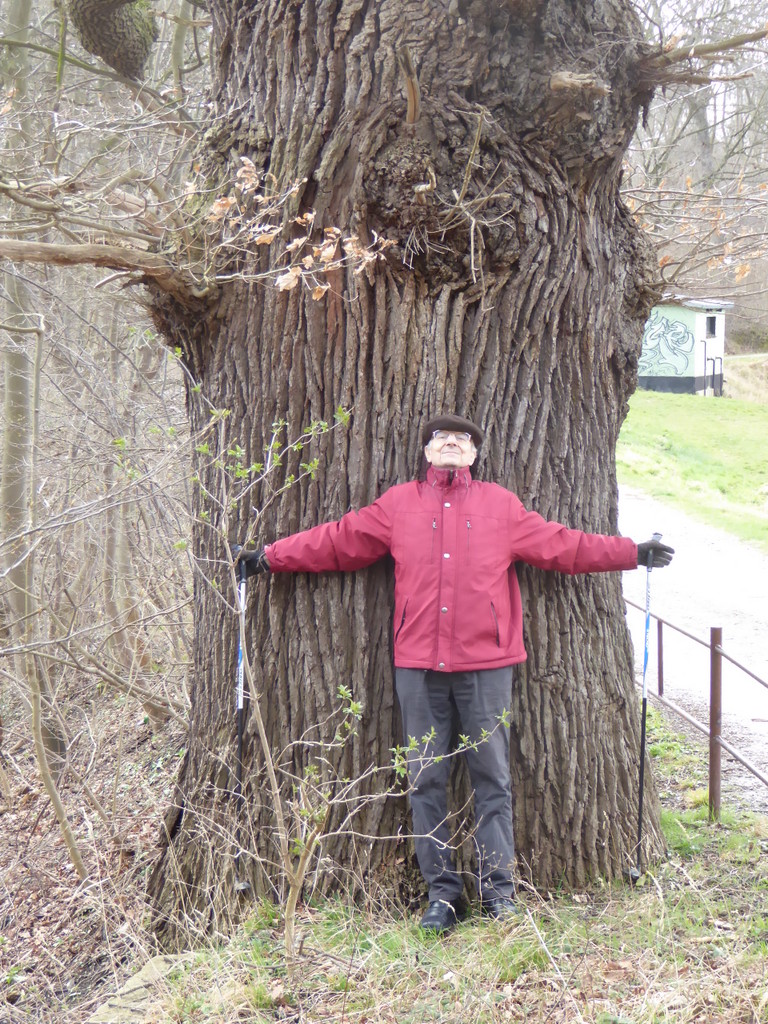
442, 915
501, 908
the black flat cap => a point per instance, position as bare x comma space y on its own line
451, 422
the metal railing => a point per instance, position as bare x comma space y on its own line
716, 742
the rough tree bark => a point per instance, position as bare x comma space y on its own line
515, 294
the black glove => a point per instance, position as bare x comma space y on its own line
255, 562
659, 553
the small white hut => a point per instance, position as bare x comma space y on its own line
684, 346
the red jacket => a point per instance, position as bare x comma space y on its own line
454, 541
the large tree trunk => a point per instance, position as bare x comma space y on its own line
515, 294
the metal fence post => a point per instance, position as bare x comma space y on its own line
715, 719
660, 649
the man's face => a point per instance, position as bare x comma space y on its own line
450, 450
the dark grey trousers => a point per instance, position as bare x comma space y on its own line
430, 703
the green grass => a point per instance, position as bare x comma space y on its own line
687, 946
706, 456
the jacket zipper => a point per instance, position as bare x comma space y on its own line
439, 584
496, 623
434, 530
469, 527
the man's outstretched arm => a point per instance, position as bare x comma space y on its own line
352, 542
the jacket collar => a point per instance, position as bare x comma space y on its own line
445, 478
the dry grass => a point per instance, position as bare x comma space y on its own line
65, 944
688, 946
746, 378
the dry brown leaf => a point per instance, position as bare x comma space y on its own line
248, 176
326, 252
724, 926
618, 970
277, 993
221, 207
285, 282
352, 246
265, 233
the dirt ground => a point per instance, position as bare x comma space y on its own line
64, 945
63, 942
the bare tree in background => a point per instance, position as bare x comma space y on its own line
696, 171
94, 565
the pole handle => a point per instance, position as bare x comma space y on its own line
240, 687
649, 560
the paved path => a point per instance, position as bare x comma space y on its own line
714, 580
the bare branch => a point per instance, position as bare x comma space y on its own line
660, 68
684, 53
173, 280
93, 69
169, 110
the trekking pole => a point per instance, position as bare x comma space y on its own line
241, 885
636, 872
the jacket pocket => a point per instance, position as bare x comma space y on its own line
496, 624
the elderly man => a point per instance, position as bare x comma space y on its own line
458, 630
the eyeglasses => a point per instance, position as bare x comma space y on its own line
442, 435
